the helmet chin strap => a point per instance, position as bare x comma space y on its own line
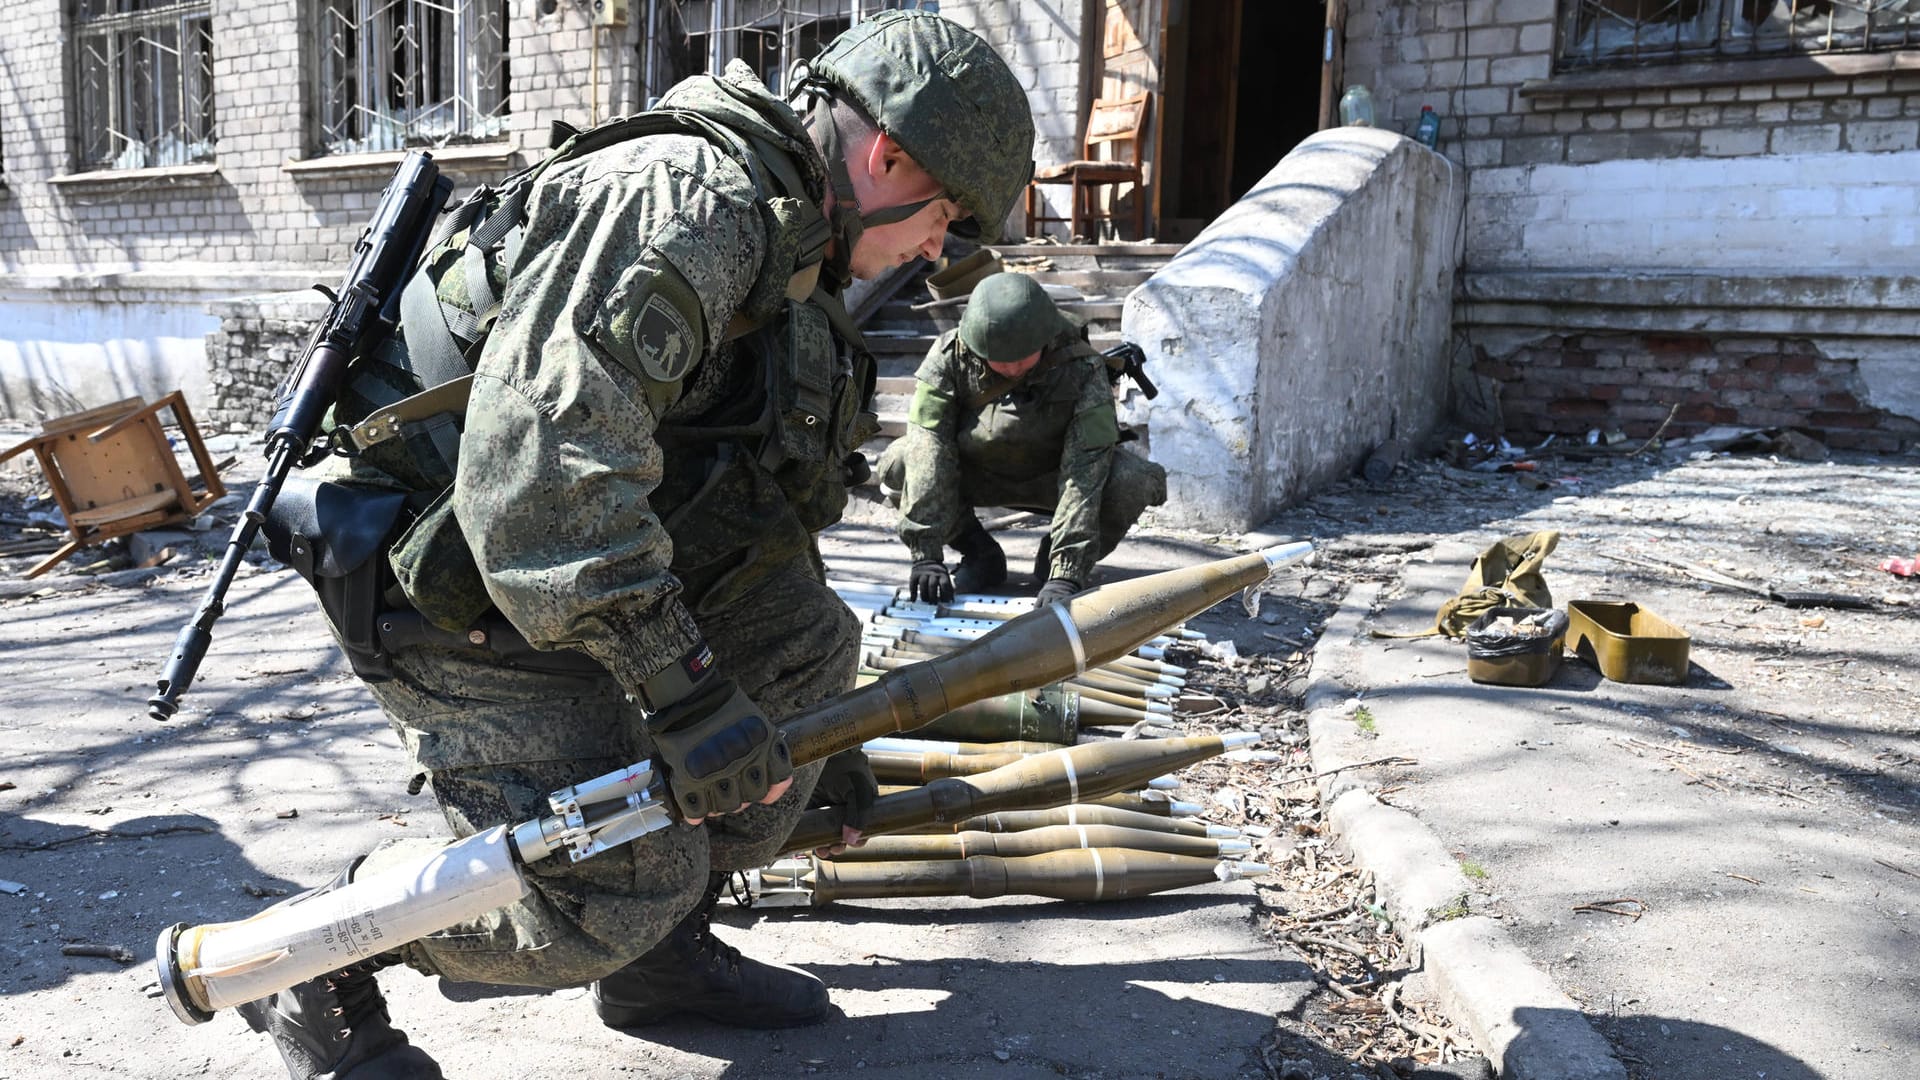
848, 220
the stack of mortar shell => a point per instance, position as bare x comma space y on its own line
1133, 692
1088, 849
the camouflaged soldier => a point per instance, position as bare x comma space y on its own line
614, 556
1014, 409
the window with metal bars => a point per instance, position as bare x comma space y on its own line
770, 35
399, 73
1611, 33
144, 78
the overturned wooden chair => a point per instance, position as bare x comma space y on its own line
113, 472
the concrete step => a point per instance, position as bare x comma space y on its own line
1099, 282
1093, 256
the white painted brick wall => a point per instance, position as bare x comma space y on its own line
1041, 40
1801, 212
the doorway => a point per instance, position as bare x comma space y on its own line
1229, 123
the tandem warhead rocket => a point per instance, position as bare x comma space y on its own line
1038, 842
208, 967
1075, 774
1089, 874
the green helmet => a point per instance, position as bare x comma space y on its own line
948, 99
1009, 317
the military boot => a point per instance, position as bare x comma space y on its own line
336, 1027
982, 564
692, 971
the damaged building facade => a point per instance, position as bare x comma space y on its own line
1630, 222
1706, 210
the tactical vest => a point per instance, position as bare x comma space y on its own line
746, 482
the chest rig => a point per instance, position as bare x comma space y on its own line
755, 461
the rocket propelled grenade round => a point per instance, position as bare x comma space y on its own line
207, 967
1038, 842
1039, 647
1080, 814
1087, 874
1076, 774
912, 745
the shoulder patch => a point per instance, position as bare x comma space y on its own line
663, 340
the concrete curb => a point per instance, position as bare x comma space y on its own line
1527, 1027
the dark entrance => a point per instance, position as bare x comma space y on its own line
1230, 122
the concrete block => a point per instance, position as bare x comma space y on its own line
1243, 427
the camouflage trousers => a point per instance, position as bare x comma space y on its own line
496, 740
1133, 484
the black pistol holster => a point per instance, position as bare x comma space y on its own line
336, 537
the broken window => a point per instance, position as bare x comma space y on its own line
1616, 32
399, 73
144, 78
771, 35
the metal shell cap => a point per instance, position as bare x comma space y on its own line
1009, 317
948, 99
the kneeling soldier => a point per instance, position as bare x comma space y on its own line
1014, 409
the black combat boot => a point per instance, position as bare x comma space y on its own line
982, 564
335, 1027
692, 971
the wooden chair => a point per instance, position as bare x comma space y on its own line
1111, 123
113, 473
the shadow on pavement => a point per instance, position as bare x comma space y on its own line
1669, 1048
73, 901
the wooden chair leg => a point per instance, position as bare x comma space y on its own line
55, 559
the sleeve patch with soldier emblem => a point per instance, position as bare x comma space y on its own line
663, 340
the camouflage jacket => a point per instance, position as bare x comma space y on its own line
626, 460
1058, 419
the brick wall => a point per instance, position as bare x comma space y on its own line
1572, 384
1040, 39
1839, 212
252, 210
1627, 230
1487, 67
259, 341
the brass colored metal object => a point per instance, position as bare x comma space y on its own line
1076, 774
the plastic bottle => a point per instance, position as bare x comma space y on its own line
1356, 107
1427, 133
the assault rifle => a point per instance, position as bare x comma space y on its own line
1125, 359
366, 307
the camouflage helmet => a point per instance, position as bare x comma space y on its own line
948, 99
1009, 317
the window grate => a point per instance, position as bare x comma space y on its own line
399, 73
144, 75
1598, 33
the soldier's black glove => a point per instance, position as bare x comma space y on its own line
719, 749
855, 470
1056, 590
846, 781
930, 583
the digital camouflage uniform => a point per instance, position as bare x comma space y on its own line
1048, 442
613, 498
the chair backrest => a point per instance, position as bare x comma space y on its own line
1114, 120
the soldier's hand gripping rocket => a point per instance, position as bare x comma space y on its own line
720, 751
